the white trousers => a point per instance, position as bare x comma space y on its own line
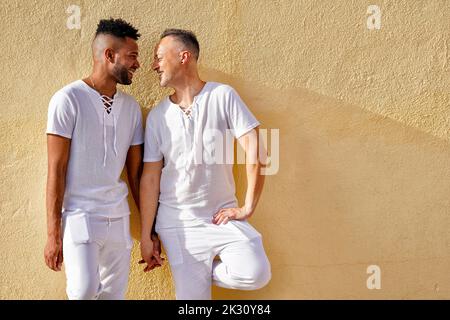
96, 254
193, 251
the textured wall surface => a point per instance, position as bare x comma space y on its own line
364, 118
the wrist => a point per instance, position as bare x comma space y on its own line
145, 237
146, 241
247, 210
56, 237
54, 233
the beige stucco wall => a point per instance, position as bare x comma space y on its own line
364, 118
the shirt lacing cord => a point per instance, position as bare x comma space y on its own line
107, 103
187, 111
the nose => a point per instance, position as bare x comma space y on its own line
138, 65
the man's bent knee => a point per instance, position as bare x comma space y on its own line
261, 277
255, 279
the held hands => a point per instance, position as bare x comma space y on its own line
225, 215
151, 253
53, 253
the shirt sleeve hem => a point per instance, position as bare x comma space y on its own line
58, 133
241, 132
137, 143
152, 159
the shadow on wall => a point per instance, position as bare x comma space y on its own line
353, 189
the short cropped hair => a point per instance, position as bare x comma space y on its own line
186, 37
118, 28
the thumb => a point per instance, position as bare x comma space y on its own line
158, 258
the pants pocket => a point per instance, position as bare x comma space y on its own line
78, 227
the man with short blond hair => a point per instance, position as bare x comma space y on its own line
198, 218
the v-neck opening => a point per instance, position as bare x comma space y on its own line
97, 101
105, 118
197, 97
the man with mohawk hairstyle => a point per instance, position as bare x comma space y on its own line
93, 131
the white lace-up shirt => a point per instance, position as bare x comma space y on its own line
195, 184
99, 147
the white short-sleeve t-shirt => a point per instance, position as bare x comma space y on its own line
98, 149
196, 179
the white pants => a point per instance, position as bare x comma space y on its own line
192, 253
96, 254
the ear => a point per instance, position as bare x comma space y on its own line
110, 55
185, 56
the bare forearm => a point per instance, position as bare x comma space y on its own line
133, 180
149, 195
255, 184
54, 202
134, 171
58, 150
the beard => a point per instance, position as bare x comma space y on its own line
121, 74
